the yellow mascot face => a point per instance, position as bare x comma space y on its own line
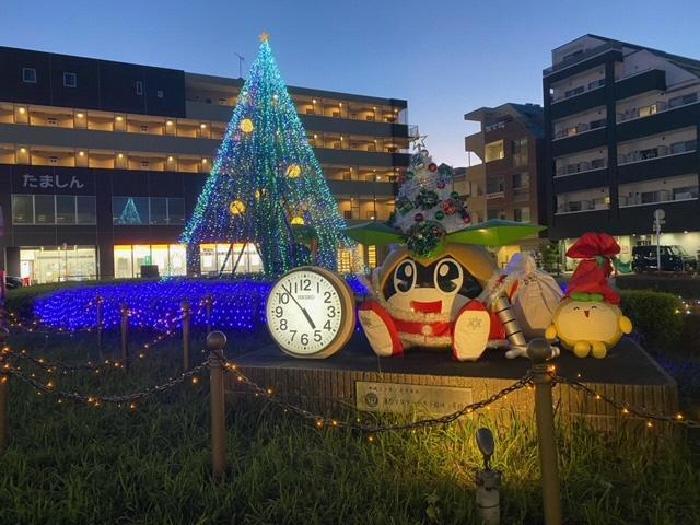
587, 321
440, 286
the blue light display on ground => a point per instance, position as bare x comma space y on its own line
238, 305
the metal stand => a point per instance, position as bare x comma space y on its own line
488, 482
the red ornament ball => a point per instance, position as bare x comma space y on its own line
432, 167
419, 217
448, 206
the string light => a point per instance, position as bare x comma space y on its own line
240, 305
265, 150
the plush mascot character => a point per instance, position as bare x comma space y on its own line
589, 320
433, 289
432, 302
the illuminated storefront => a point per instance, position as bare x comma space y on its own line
50, 264
214, 256
171, 259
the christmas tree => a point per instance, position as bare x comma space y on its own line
266, 186
130, 214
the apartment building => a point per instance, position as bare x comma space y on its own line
621, 131
87, 143
504, 184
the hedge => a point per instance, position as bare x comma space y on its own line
658, 318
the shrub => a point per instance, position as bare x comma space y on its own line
657, 317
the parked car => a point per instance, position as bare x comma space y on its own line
673, 259
12, 282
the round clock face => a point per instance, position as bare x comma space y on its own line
309, 312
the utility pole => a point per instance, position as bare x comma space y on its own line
241, 59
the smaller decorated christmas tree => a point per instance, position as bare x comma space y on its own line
427, 207
130, 214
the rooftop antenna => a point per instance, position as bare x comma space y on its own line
241, 59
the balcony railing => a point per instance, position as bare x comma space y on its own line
580, 128
658, 107
583, 205
643, 198
677, 148
579, 90
581, 167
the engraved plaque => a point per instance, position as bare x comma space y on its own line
411, 399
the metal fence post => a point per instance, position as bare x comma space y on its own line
216, 341
208, 302
186, 335
539, 351
124, 332
99, 322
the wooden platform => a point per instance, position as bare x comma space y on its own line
430, 381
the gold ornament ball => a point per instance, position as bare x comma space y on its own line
237, 207
293, 171
247, 125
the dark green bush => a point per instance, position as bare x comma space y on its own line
657, 317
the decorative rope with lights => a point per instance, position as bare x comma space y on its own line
96, 399
320, 420
624, 408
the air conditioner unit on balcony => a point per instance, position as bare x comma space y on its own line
52, 121
664, 195
662, 150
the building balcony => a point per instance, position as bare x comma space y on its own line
643, 82
586, 140
681, 215
580, 181
667, 165
586, 99
659, 120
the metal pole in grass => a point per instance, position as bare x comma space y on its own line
539, 351
488, 482
216, 341
99, 322
124, 333
4, 409
186, 334
4, 377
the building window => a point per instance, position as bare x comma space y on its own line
130, 211
22, 209
86, 213
65, 209
495, 213
50, 264
70, 79
171, 259
494, 185
53, 209
494, 151
213, 258
29, 75
143, 210
521, 181
521, 214
139, 87
583, 200
520, 152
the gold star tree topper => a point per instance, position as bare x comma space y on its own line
264, 36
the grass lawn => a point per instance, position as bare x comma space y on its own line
75, 464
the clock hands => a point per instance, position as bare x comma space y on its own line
303, 310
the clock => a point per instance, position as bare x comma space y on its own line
310, 313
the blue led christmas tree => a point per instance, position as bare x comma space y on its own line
266, 186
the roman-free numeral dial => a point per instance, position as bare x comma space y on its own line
310, 312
